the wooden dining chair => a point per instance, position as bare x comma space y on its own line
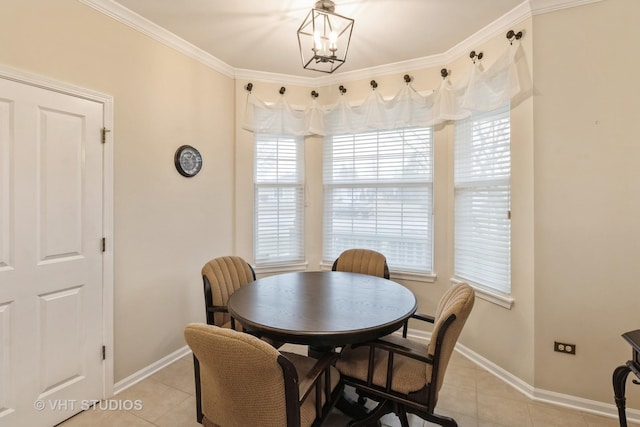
364, 261
403, 375
221, 278
247, 382
373, 263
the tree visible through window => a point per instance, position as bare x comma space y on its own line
482, 173
378, 194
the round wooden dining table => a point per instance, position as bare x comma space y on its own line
322, 308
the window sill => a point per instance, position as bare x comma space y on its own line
494, 297
397, 275
413, 276
280, 268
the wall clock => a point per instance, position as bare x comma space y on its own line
188, 161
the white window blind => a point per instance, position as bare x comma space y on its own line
482, 170
378, 191
279, 199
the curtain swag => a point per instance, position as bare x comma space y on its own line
485, 90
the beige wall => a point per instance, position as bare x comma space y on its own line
587, 182
166, 226
574, 153
503, 336
573, 251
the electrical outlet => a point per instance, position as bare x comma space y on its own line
562, 347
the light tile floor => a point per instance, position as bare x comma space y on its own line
471, 395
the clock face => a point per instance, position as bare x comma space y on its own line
188, 161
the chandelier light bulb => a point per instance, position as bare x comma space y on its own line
318, 44
333, 42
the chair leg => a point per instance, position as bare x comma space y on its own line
402, 414
196, 372
383, 408
441, 420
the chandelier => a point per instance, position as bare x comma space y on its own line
324, 38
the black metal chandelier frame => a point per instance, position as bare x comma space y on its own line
324, 38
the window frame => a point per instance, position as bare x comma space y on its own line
491, 185
333, 181
278, 184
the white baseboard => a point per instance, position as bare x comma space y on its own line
538, 395
144, 373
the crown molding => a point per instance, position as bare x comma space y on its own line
143, 25
544, 6
263, 76
505, 22
501, 25
382, 70
525, 10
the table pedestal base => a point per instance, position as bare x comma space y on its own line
352, 408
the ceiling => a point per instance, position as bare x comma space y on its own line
260, 35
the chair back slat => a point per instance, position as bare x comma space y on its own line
222, 277
364, 261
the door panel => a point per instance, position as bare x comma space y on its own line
5, 185
60, 184
60, 339
6, 312
51, 178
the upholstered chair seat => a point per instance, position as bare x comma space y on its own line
247, 382
395, 370
408, 374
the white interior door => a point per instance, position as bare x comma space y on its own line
51, 196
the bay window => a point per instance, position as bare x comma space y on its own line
378, 194
278, 199
482, 171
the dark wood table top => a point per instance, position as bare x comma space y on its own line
322, 308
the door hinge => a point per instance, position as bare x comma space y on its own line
104, 244
509, 214
104, 135
104, 352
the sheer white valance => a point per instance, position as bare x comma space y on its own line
485, 90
